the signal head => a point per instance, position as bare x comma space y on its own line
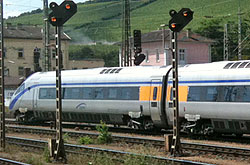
62, 13
53, 5
53, 19
180, 19
67, 6
185, 13
172, 12
173, 25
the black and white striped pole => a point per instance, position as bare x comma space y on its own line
59, 15
176, 145
176, 24
59, 153
2, 106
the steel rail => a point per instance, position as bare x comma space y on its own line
89, 125
134, 140
139, 140
80, 149
11, 162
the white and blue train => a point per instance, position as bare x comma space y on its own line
214, 97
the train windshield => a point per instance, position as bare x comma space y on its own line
19, 89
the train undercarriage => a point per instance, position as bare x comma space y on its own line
142, 122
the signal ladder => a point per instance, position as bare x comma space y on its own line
2, 107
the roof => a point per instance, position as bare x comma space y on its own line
185, 36
12, 81
27, 32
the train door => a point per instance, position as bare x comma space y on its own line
155, 101
35, 97
169, 106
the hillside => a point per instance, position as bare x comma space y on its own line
102, 21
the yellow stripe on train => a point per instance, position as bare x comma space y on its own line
146, 93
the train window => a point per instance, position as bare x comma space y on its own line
211, 94
228, 65
129, 93
220, 94
87, 93
194, 94
72, 93
246, 94
155, 93
112, 93
171, 94
47, 93
21, 88
235, 65
98, 93
243, 64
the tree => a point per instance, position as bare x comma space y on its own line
213, 30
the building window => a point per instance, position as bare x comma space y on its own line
4, 52
20, 71
147, 58
53, 52
157, 55
20, 53
182, 54
6, 71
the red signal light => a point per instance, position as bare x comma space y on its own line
185, 13
173, 25
67, 6
53, 19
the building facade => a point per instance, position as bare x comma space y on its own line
192, 48
21, 43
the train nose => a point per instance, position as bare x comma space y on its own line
13, 103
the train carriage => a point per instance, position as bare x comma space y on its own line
213, 97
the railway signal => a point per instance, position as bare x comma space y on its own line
59, 15
180, 20
137, 41
2, 105
37, 67
139, 58
176, 24
62, 13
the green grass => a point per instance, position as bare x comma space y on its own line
102, 21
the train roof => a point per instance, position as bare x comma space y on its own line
136, 70
147, 71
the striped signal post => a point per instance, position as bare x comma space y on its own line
59, 152
2, 107
176, 24
59, 15
176, 145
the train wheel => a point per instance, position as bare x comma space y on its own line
18, 117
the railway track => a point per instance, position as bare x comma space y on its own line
187, 146
90, 126
77, 149
4, 161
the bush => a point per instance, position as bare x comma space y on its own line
66, 137
46, 155
105, 136
85, 140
